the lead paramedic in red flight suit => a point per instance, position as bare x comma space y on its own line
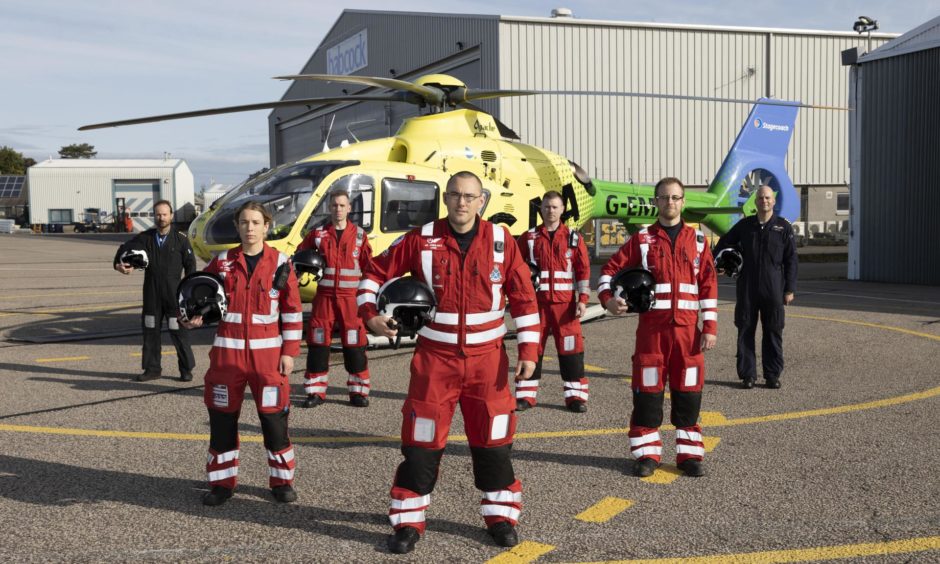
561, 259
669, 344
255, 345
345, 247
473, 267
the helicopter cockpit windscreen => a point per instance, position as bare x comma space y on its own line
283, 192
361, 191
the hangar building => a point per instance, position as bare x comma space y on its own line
619, 139
895, 160
60, 190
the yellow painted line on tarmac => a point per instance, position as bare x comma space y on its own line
604, 510
184, 436
525, 551
164, 353
665, 474
867, 324
710, 443
836, 552
592, 368
53, 293
62, 359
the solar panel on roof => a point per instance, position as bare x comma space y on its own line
11, 186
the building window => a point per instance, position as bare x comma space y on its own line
842, 204
60, 216
408, 204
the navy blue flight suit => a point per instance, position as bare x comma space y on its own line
162, 276
768, 272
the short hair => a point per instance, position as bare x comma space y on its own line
668, 180
337, 193
554, 194
166, 203
253, 206
463, 174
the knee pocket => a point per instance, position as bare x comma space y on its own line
318, 335
648, 372
689, 376
489, 424
355, 360
422, 425
318, 359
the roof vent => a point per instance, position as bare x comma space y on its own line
562, 13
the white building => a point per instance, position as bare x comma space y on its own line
60, 190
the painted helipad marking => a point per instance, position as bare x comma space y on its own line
62, 359
867, 324
604, 510
525, 551
592, 368
836, 552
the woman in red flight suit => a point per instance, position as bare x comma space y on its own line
255, 345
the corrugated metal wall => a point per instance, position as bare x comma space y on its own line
401, 41
80, 188
641, 140
899, 169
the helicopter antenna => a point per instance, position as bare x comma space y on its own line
326, 146
352, 123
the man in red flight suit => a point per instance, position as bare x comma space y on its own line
669, 344
560, 256
345, 247
254, 345
473, 267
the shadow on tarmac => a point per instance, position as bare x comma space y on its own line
54, 484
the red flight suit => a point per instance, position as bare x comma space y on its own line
668, 341
335, 305
564, 281
459, 357
261, 324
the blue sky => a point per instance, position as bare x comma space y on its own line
66, 64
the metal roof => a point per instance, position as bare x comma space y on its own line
922, 37
109, 163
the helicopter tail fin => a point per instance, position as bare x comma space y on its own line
758, 156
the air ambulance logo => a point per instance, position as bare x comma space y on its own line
495, 276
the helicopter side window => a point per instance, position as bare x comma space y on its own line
361, 198
408, 204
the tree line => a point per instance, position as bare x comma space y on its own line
13, 162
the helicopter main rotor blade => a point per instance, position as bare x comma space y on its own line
504, 129
434, 96
487, 94
246, 108
767, 102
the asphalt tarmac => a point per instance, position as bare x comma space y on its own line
840, 463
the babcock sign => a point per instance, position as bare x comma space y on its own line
349, 56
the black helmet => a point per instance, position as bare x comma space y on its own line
202, 293
536, 275
309, 261
408, 301
729, 261
635, 286
135, 258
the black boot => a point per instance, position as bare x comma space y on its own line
747, 383
644, 467
522, 405
504, 534
216, 496
312, 400
284, 494
692, 467
577, 406
359, 401
404, 540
